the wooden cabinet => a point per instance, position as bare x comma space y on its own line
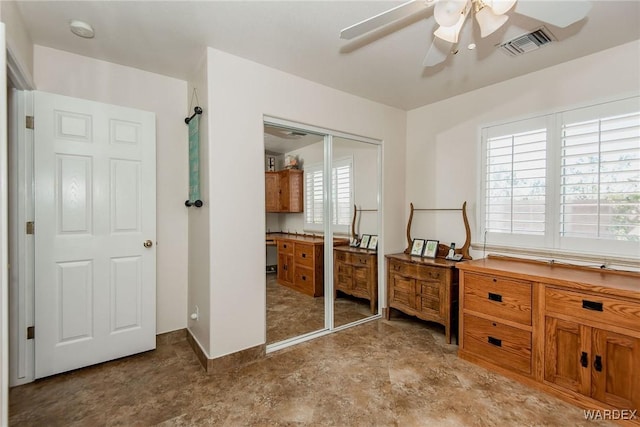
355, 272
283, 191
595, 361
423, 287
301, 262
571, 331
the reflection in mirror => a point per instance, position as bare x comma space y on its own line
355, 214
294, 241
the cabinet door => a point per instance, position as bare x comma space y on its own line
402, 293
271, 191
295, 191
342, 273
616, 369
567, 359
284, 191
285, 267
429, 298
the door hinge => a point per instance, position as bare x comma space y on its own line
31, 332
29, 122
31, 227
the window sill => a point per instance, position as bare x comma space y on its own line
592, 260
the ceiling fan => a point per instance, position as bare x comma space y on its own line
450, 15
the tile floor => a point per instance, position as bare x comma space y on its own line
382, 373
291, 313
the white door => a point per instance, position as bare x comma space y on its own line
95, 230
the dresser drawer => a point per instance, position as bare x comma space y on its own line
361, 260
304, 255
285, 247
404, 269
303, 278
497, 296
341, 256
594, 308
498, 343
429, 273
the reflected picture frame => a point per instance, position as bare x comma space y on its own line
417, 247
431, 248
373, 242
364, 243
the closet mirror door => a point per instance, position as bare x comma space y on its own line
355, 217
294, 204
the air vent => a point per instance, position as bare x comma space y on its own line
527, 42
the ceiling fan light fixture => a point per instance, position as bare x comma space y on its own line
451, 33
500, 7
488, 21
447, 12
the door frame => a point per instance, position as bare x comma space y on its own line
329, 134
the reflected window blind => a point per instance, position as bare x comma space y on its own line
516, 183
600, 178
341, 181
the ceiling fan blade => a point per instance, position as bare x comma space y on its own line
384, 18
558, 13
438, 52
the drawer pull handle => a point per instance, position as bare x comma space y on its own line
304, 255
495, 297
495, 341
591, 305
598, 364
304, 277
363, 261
284, 246
583, 360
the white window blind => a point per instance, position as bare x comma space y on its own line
600, 178
516, 183
342, 196
565, 181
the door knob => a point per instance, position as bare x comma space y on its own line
147, 243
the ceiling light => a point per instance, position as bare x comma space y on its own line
471, 46
490, 15
81, 29
489, 22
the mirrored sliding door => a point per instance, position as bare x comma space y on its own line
356, 220
294, 203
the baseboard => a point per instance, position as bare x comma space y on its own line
228, 362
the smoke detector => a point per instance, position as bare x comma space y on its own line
81, 29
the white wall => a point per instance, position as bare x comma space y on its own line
19, 42
68, 74
443, 139
241, 92
199, 236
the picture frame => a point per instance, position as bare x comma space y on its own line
431, 248
417, 247
364, 243
373, 243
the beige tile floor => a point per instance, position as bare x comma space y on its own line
382, 373
291, 313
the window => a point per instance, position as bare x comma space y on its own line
342, 197
568, 181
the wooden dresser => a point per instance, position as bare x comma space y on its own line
571, 331
423, 287
301, 261
355, 272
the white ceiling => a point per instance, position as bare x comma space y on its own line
301, 38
